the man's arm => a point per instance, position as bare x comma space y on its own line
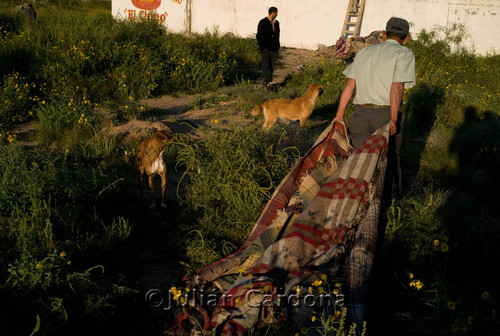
395, 97
264, 33
259, 33
345, 96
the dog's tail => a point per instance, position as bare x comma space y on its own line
256, 111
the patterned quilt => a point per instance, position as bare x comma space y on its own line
319, 227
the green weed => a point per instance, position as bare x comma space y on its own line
16, 100
230, 174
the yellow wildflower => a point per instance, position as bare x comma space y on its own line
38, 266
410, 275
67, 150
313, 318
175, 292
451, 305
486, 295
323, 277
317, 283
445, 247
417, 284
62, 254
436, 242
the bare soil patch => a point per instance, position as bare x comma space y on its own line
176, 116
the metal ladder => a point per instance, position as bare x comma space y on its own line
353, 18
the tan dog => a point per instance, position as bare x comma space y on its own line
150, 160
292, 109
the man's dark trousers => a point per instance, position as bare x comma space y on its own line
268, 63
365, 121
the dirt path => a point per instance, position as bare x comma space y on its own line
175, 113
294, 60
176, 116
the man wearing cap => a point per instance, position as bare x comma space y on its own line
380, 73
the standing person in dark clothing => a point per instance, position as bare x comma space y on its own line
30, 11
268, 38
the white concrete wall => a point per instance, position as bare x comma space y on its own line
307, 23
303, 24
480, 17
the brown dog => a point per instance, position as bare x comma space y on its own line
292, 109
150, 160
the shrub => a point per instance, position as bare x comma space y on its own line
59, 118
15, 100
231, 174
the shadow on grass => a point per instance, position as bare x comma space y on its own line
471, 213
420, 116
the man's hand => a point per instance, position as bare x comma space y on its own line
392, 128
337, 118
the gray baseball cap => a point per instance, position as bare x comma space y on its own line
398, 26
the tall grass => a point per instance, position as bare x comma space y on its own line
75, 52
229, 177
